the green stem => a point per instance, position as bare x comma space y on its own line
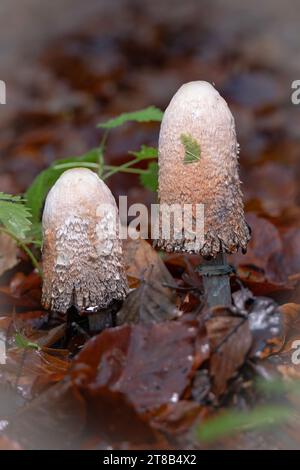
123, 168
135, 171
101, 153
104, 139
100, 161
25, 249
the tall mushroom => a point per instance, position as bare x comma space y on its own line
82, 254
198, 164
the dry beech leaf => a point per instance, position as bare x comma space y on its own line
230, 341
291, 321
178, 419
45, 339
34, 370
265, 241
256, 280
109, 412
54, 420
151, 365
152, 301
68, 414
143, 261
272, 257
23, 291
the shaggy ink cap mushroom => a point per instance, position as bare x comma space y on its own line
206, 173
82, 254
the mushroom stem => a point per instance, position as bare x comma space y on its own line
216, 275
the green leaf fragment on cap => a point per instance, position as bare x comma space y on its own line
191, 147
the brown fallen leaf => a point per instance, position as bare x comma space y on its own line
70, 415
272, 257
255, 279
23, 291
34, 370
109, 412
142, 262
290, 260
54, 420
152, 301
178, 419
151, 365
291, 321
22, 284
230, 341
45, 339
265, 241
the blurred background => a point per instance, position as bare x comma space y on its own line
69, 64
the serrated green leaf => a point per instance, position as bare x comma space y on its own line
40, 187
191, 147
145, 152
14, 215
150, 179
231, 422
24, 343
143, 115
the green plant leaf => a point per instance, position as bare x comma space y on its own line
40, 187
14, 215
143, 115
191, 147
145, 152
24, 343
231, 422
149, 179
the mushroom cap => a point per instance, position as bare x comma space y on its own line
198, 112
82, 253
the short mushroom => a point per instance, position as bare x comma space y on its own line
82, 254
198, 164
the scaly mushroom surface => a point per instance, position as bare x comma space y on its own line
198, 164
82, 254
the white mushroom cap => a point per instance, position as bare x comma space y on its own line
82, 253
197, 110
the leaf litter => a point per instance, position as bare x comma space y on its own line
170, 367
